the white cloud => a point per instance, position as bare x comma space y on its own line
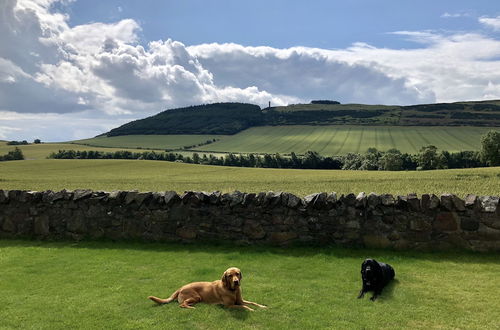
456, 15
82, 76
491, 22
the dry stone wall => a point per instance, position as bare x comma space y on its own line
427, 222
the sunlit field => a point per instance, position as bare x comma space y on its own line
145, 175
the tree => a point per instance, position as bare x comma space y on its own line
490, 148
37, 141
428, 158
391, 160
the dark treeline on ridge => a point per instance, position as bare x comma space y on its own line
231, 118
392, 160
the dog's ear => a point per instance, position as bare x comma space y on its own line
224, 280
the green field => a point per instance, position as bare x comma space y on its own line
149, 141
96, 285
42, 151
339, 140
146, 175
327, 140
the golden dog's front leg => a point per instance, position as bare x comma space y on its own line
254, 304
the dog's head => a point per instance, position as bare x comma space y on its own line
231, 278
368, 272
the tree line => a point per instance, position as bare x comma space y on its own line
428, 158
15, 154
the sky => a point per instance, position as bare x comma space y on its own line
72, 69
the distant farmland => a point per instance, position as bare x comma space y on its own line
339, 140
327, 140
149, 141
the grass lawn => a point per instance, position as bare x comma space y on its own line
96, 285
145, 175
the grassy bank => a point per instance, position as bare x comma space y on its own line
144, 175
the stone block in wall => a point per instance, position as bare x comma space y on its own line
471, 201
282, 237
489, 203
458, 203
401, 203
376, 241
348, 200
469, 224
9, 225
446, 221
187, 233
80, 194
41, 226
491, 220
483, 233
429, 202
447, 202
387, 199
361, 200
248, 199
420, 224
253, 229
171, 198
413, 202
332, 198
76, 225
293, 201
373, 200
4, 196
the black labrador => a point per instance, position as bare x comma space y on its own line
375, 275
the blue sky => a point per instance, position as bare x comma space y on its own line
73, 69
287, 23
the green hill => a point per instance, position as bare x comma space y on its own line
217, 118
231, 118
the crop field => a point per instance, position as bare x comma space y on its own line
95, 285
327, 140
149, 141
143, 175
339, 140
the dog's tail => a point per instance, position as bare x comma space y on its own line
160, 301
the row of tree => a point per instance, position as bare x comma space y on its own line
15, 154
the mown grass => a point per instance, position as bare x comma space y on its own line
96, 285
339, 140
145, 175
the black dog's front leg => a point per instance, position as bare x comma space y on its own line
362, 292
376, 293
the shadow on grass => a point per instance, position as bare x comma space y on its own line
239, 314
388, 291
291, 251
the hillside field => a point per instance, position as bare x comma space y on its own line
149, 141
143, 175
327, 140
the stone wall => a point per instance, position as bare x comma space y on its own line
400, 222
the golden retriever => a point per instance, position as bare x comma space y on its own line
226, 291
